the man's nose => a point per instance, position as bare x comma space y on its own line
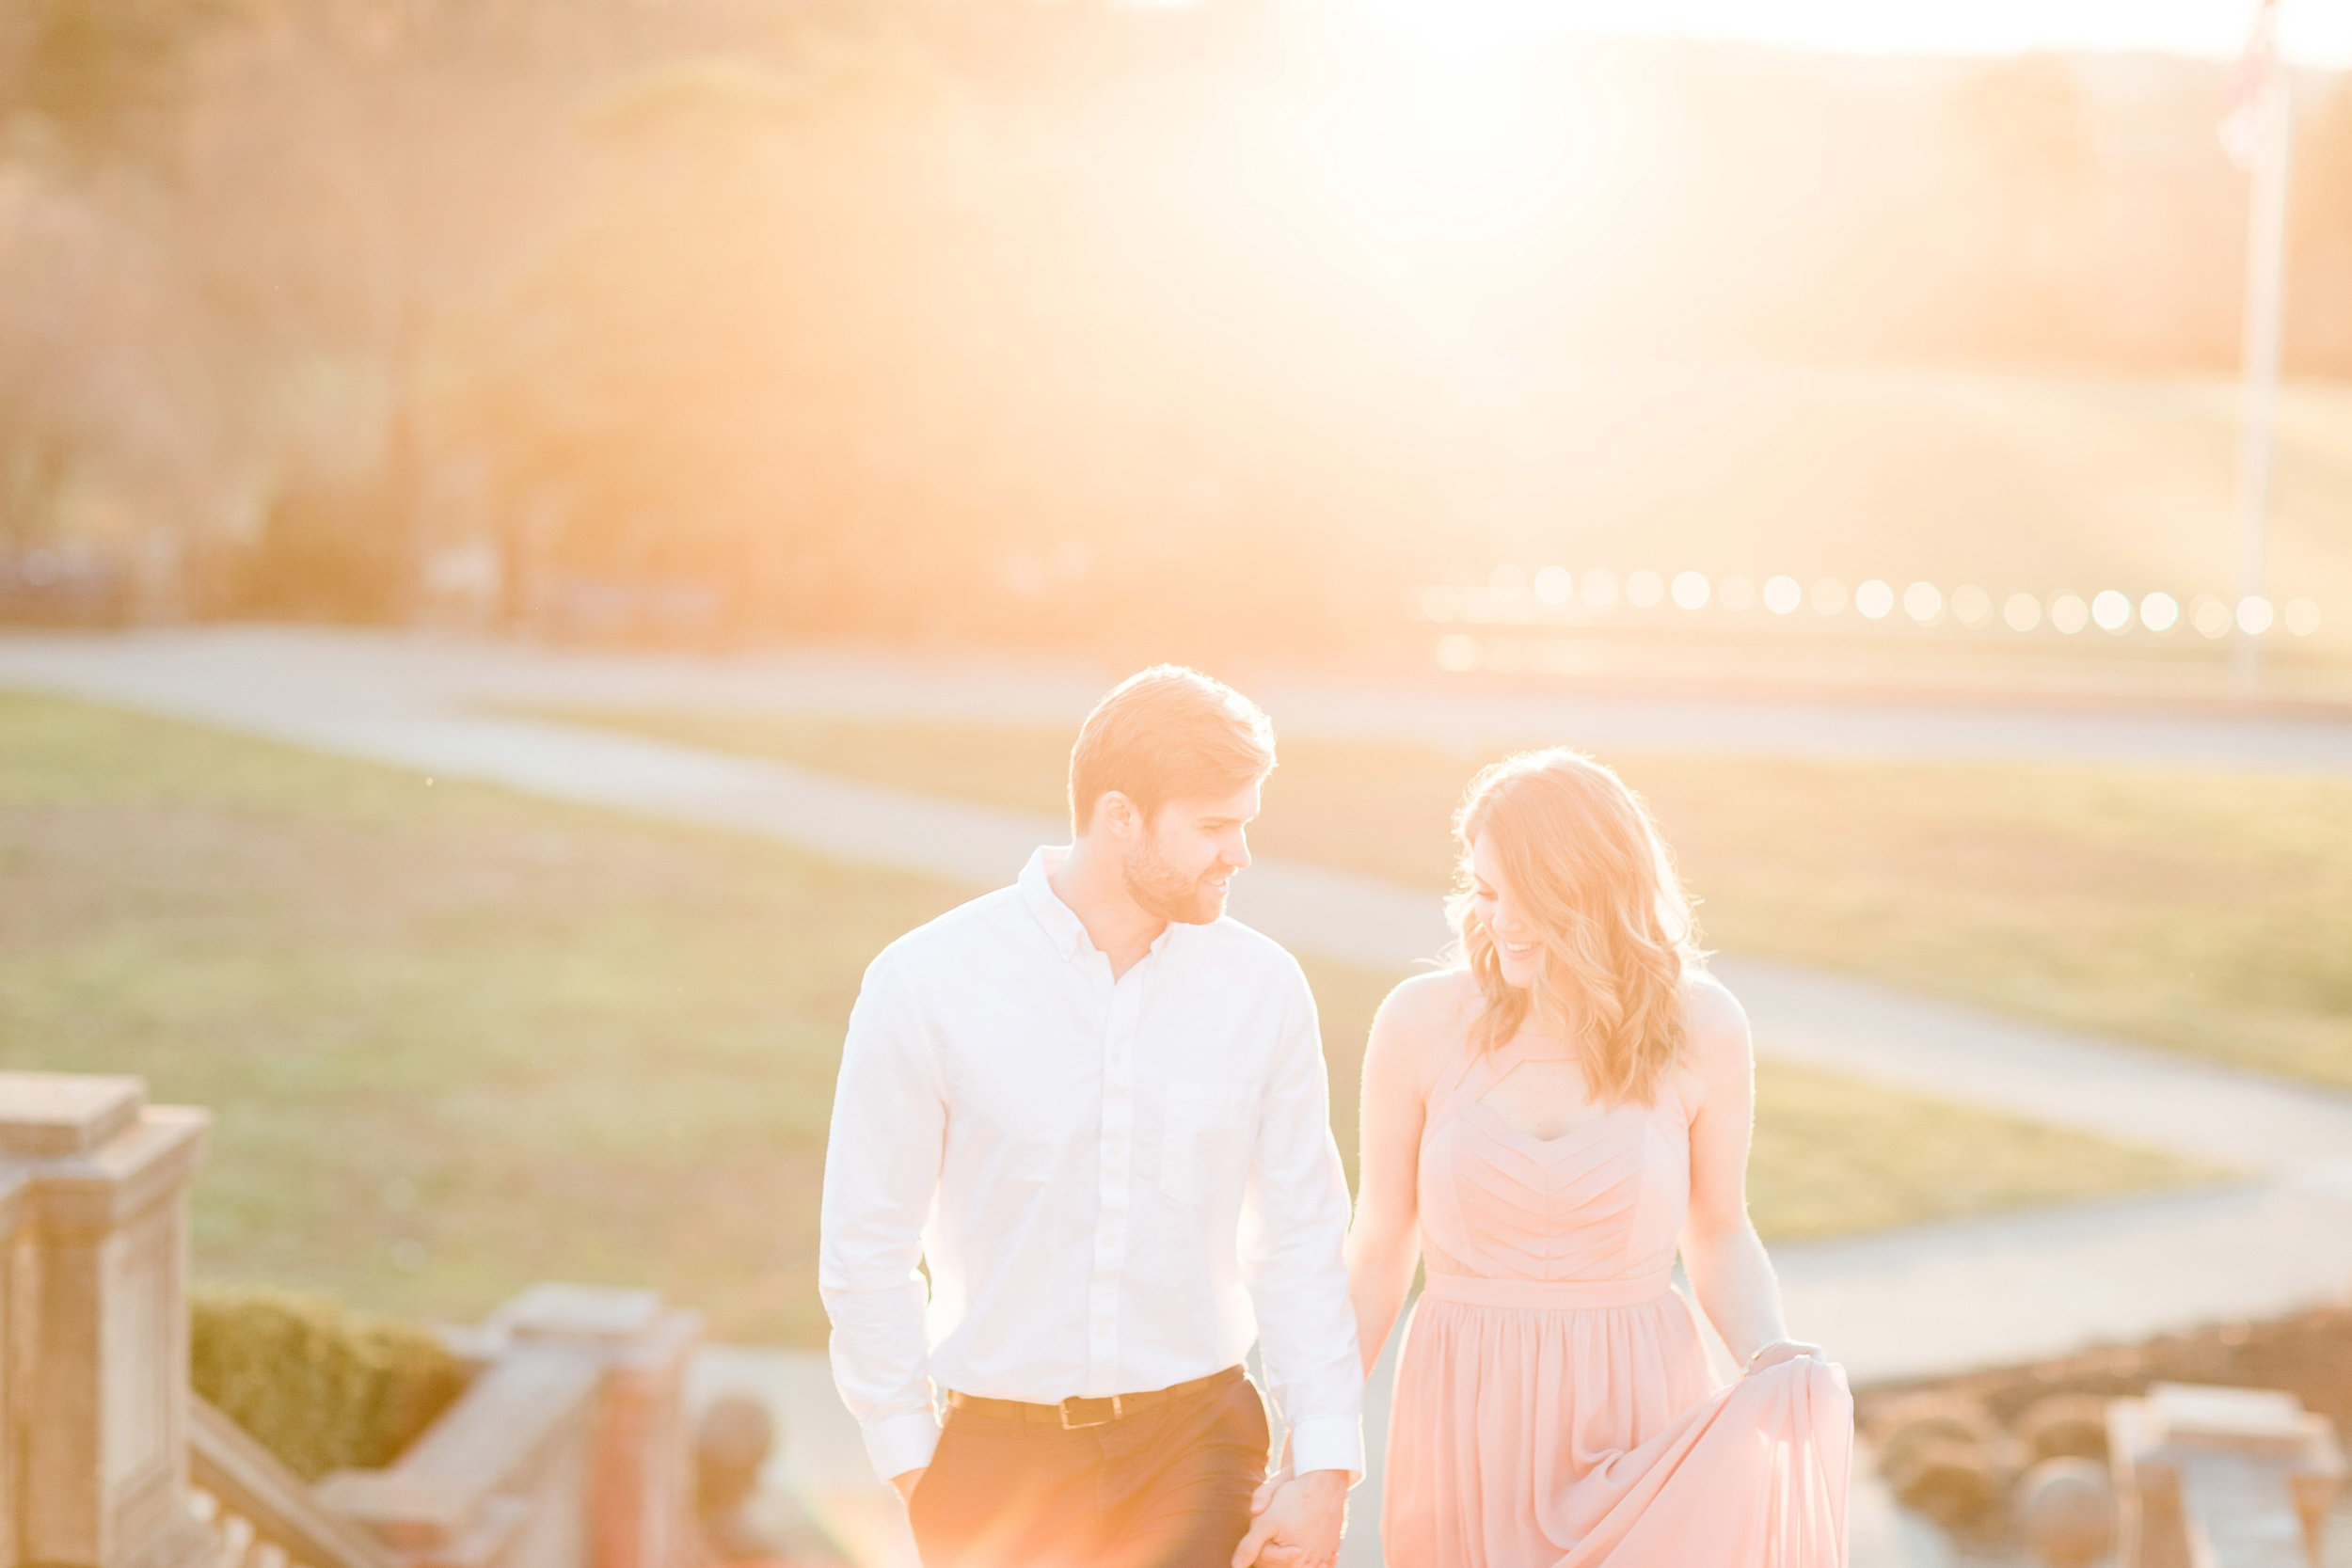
1237, 853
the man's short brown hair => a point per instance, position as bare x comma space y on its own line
1168, 734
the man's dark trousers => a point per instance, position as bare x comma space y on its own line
1165, 1486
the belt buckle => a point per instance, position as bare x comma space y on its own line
1069, 1425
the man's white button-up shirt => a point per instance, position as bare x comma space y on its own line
1115, 1185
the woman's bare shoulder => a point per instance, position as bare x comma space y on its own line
1715, 1026
1432, 996
1421, 1025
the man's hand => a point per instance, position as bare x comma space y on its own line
907, 1481
1299, 1527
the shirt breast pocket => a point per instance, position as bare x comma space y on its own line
1204, 1140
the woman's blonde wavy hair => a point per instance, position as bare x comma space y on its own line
1587, 868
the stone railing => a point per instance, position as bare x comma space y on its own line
2221, 1477
567, 1450
260, 1514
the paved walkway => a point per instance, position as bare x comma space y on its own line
876, 685
1895, 1304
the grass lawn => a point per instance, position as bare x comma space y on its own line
457, 1040
1834, 1156
453, 1041
2210, 913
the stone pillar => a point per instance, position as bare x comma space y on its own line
2220, 1477
642, 1486
94, 1379
15, 1282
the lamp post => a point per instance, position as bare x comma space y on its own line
2259, 133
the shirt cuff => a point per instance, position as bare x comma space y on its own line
1328, 1443
902, 1442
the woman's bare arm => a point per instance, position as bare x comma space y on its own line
1401, 1060
1411, 1040
1729, 1271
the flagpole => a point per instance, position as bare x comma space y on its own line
2265, 269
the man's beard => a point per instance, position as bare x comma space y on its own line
1166, 893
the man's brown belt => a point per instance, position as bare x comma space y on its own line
1074, 1413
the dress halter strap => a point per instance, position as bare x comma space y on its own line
1470, 1074
1457, 1082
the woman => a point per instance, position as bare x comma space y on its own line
1542, 1124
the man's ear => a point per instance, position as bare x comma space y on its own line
1117, 816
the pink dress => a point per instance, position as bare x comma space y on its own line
1553, 1406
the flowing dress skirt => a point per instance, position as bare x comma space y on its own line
1561, 1436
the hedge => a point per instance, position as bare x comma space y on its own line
321, 1387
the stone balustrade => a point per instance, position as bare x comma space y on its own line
94, 1347
568, 1450
2221, 1477
260, 1515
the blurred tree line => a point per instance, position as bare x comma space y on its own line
966, 318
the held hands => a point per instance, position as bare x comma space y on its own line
1298, 1522
1779, 1350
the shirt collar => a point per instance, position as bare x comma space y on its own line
1061, 922
1063, 928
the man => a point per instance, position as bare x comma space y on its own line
1095, 1110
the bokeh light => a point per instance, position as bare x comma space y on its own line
1513, 596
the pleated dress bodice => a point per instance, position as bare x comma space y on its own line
1600, 1206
